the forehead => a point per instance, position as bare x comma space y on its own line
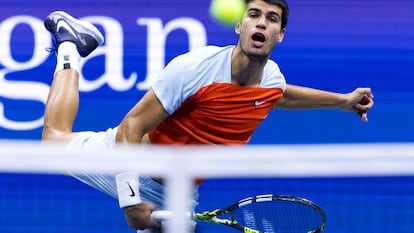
264, 7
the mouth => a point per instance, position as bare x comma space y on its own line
258, 39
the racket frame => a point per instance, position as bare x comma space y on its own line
213, 216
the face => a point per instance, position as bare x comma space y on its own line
260, 29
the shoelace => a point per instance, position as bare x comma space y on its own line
52, 49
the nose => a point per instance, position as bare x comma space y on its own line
261, 22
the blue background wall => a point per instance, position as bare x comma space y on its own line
332, 45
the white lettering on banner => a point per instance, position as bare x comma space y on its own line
113, 50
22, 90
157, 36
113, 74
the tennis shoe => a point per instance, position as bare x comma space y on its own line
66, 28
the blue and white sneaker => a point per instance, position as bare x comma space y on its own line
66, 28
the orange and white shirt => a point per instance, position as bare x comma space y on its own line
204, 107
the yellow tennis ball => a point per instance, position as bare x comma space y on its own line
228, 11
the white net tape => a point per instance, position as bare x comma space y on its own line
268, 160
180, 165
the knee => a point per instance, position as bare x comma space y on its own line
51, 134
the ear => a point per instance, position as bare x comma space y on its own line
237, 28
281, 35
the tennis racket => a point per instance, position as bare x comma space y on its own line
265, 214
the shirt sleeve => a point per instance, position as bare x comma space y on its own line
273, 77
169, 86
186, 74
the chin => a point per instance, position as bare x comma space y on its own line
258, 56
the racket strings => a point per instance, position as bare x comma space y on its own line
279, 217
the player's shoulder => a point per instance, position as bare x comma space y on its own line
272, 65
211, 49
273, 76
203, 57
206, 52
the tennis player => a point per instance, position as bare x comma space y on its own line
212, 95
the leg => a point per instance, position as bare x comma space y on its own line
73, 39
61, 106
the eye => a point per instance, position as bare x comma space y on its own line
253, 15
274, 19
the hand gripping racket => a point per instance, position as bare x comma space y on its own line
265, 214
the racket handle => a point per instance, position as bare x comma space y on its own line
161, 215
166, 214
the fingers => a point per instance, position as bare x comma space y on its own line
362, 115
139, 216
365, 103
362, 108
366, 91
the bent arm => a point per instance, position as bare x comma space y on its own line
143, 117
297, 98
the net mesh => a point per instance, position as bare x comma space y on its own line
362, 188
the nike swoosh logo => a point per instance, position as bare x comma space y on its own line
69, 28
132, 191
257, 102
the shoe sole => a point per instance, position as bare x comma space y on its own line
77, 24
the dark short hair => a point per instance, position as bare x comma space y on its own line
280, 3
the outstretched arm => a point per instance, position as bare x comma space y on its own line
296, 97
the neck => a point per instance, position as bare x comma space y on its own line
245, 70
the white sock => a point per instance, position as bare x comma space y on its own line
67, 57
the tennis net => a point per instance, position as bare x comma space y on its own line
362, 187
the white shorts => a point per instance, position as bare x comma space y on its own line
150, 191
